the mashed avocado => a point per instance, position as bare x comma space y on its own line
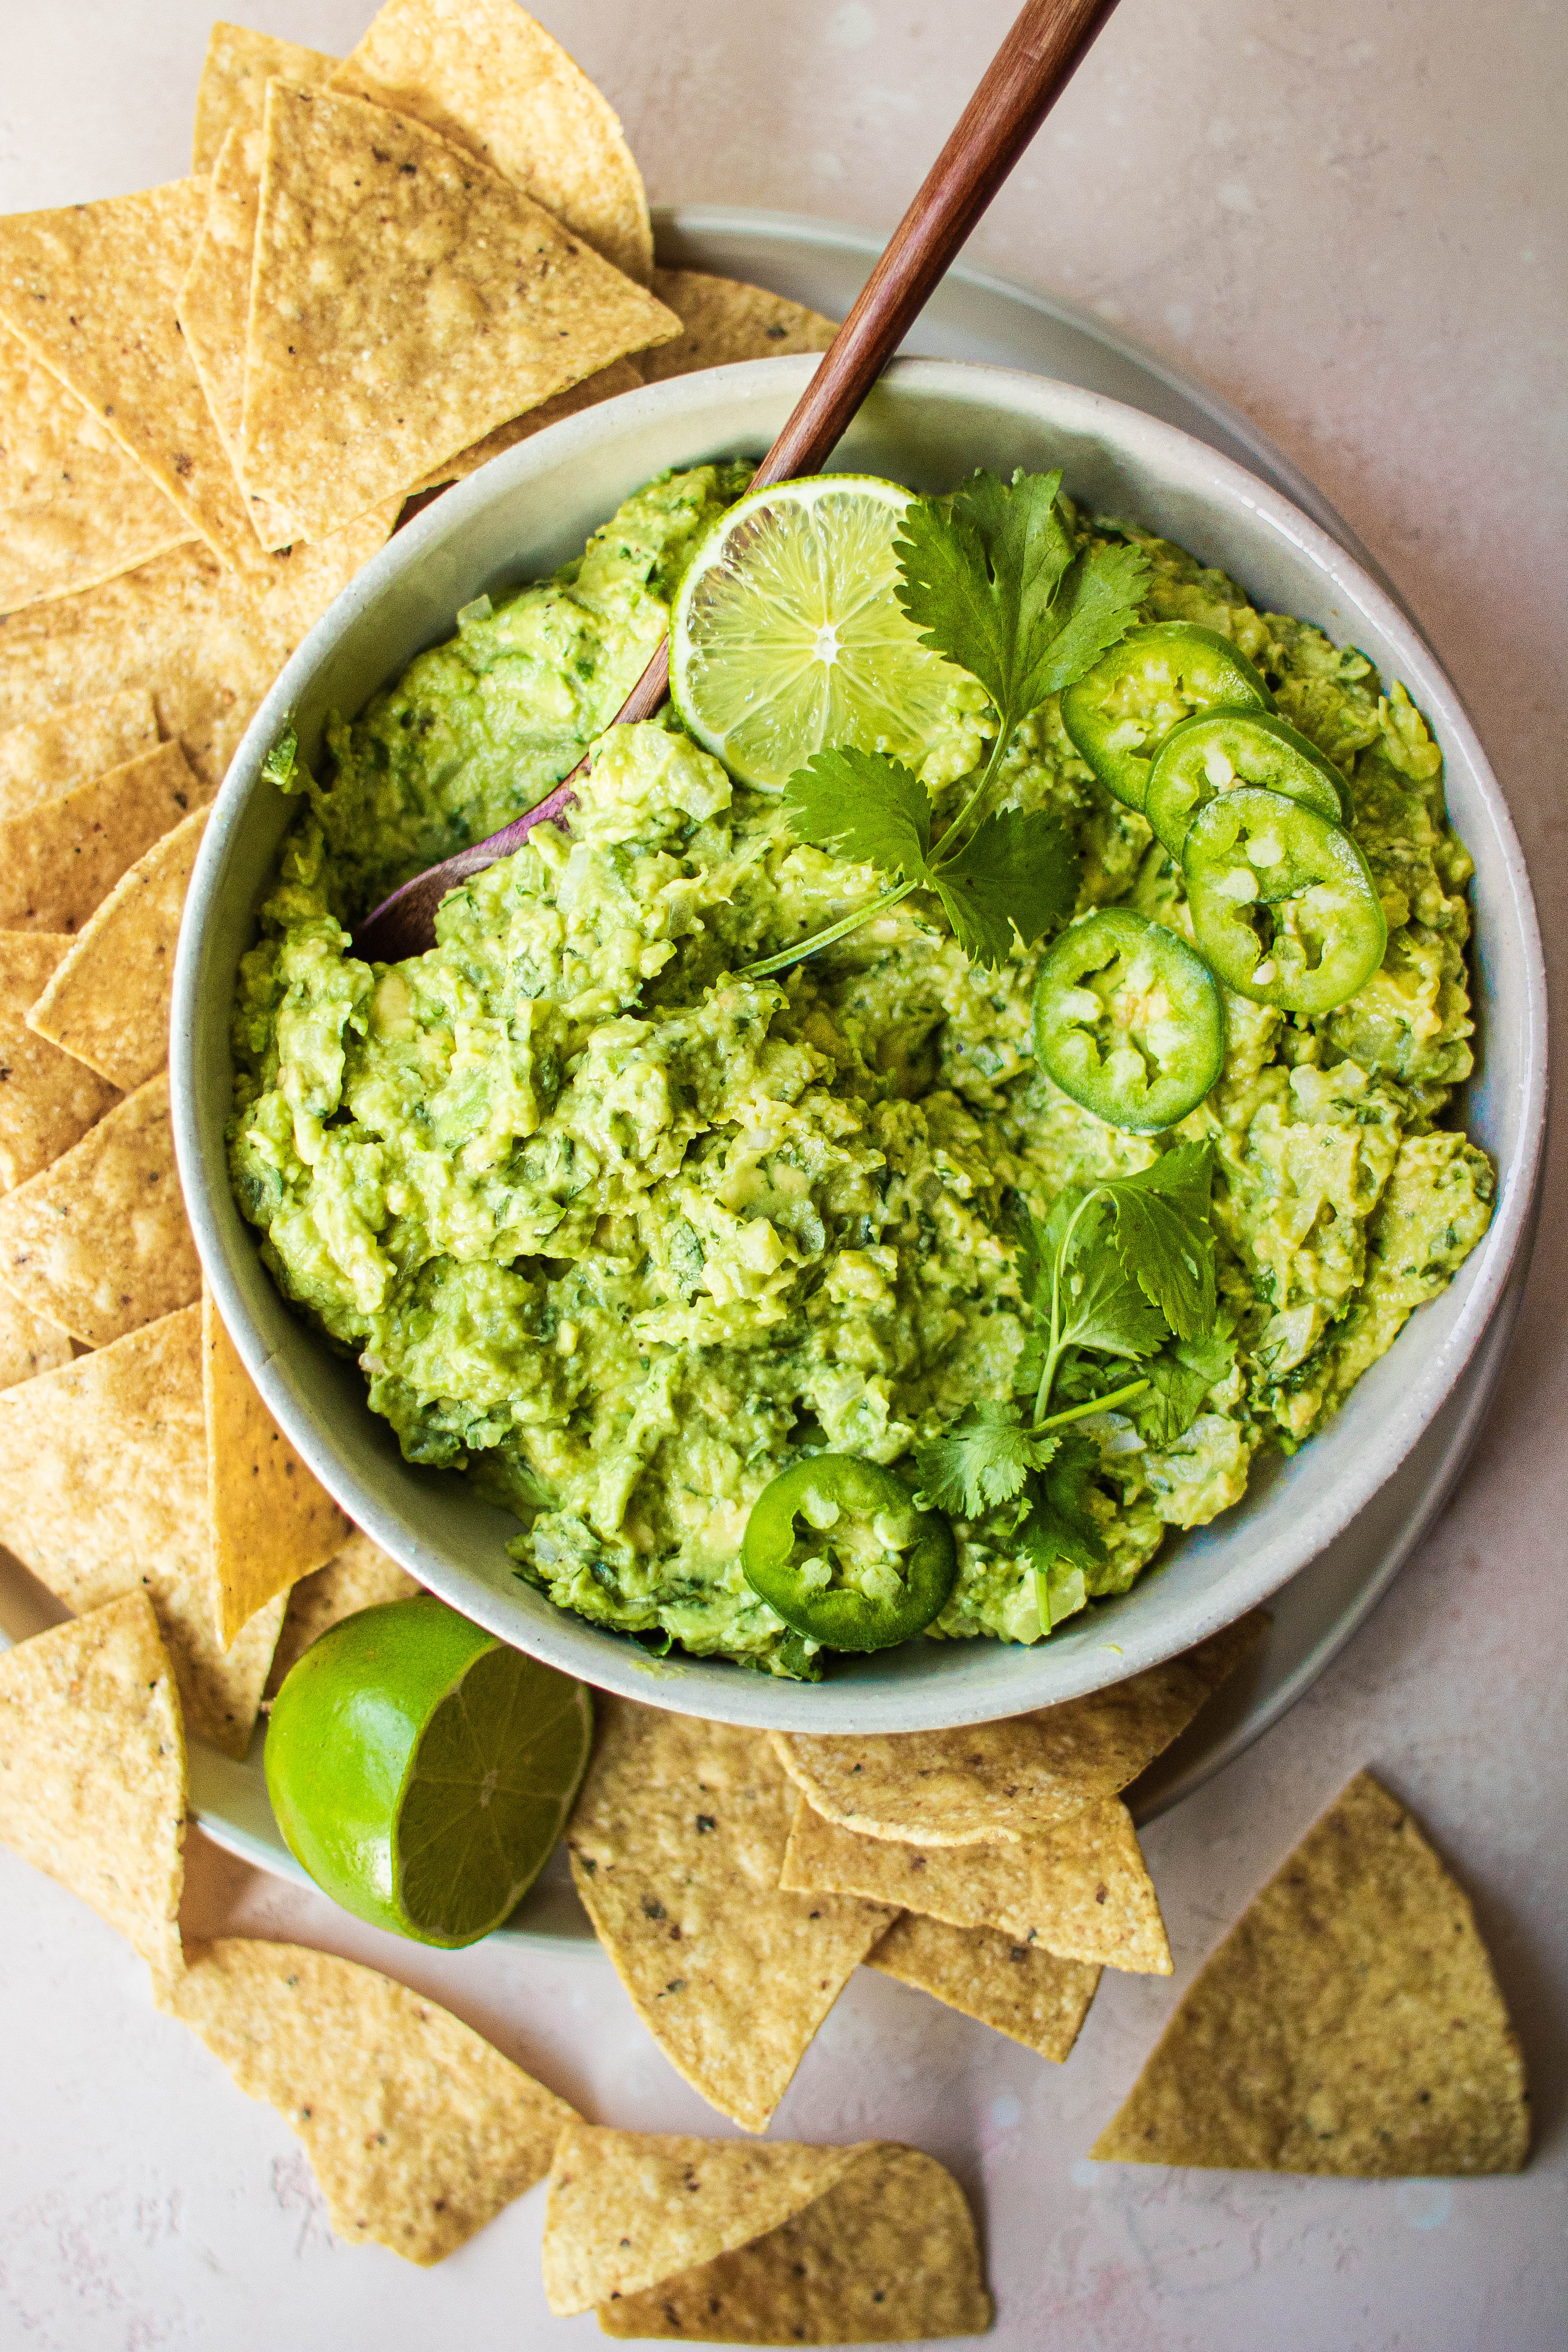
617, 1233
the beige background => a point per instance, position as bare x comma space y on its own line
1349, 218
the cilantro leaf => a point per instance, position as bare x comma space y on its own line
983, 1460
1061, 1531
1164, 1237
863, 806
1085, 1291
1018, 872
1180, 1378
1100, 602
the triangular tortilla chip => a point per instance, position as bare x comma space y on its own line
417, 2130
103, 1487
46, 756
60, 862
232, 92
361, 1576
204, 642
621, 375
1022, 1990
725, 320
84, 1008
28, 1346
490, 80
90, 290
406, 300
1082, 1891
74, 509
889, 2255
1011, 1780
92, 1770
677, 1844
1349, 2023
98, 1243
46, 1099
271, 1521
629, 2209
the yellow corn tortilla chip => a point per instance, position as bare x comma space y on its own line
271, 1521
417, 2130
490, 80
27, 1345
90, 290
1349, 2023
98, 1243
1082, 1891
887, 2256
46, 1099
361, 1576
1022, 1990
214, 311
92, 1770
60, 862
46, 756
103, 1487
84, 1008
677, 1843
404, 301
1009, 1781
725, 319
232, 92
74, 509
628, 2208
205, 643
621, 375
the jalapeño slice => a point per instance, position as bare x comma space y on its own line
1119, 713
1129, 1021
1283, 902
1220, 749
835, 1546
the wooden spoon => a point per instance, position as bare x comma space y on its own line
1028, 73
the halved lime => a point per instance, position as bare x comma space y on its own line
422, 1770
786, 636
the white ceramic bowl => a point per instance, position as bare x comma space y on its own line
929, 423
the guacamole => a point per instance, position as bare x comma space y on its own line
619, 1233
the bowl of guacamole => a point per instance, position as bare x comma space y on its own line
557, 1250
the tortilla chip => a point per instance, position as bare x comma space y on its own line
1009, 1781
204, 642
90, 290
103, 1487
1082, 1891
361, 1576
1022, 1990
214, 311
92, 1770
887, 2256
232, 92
98, 1243
27, 1345
60, 862
46, 757
404, 301
621, 375
417, 2130
46, 1100
85, 1009
726, 320
629, 2209
490, 80
1349, 2023
677, 1844
74, 509
271, 1522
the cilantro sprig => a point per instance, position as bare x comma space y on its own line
1122, 1269
990, 580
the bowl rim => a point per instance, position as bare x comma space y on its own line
615, 1662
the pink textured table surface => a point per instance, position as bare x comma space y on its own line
1348, 216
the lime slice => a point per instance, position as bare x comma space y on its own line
422, 1770
786, 636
